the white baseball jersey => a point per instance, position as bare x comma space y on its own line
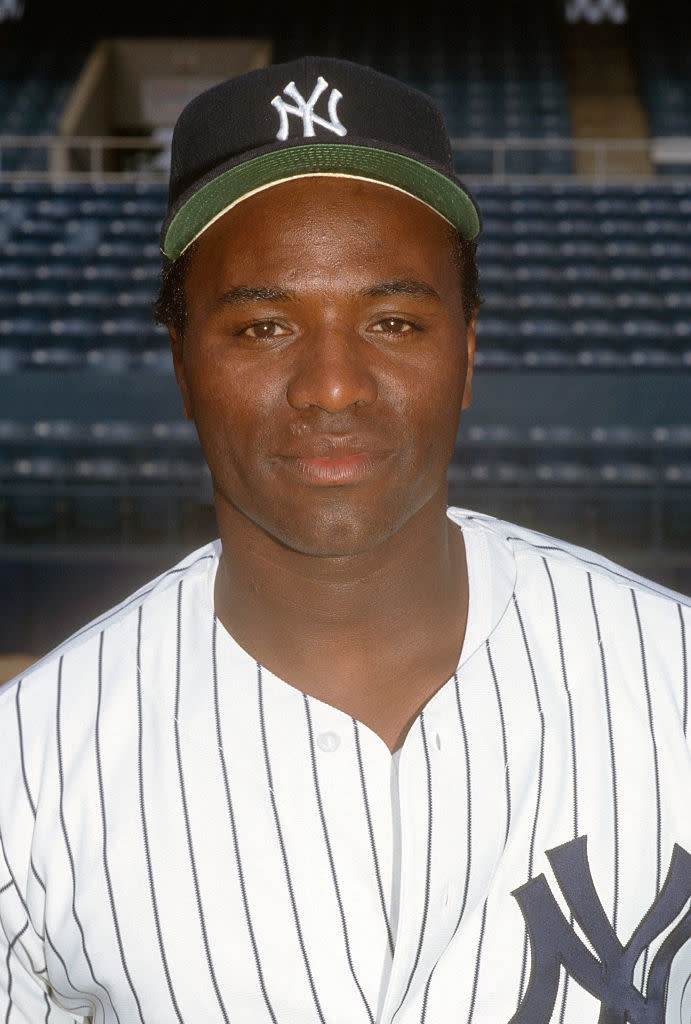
186, 837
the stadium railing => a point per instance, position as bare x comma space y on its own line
54, 158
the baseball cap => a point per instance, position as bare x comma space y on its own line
312, 116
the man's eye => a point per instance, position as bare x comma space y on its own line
265, 329
393, 325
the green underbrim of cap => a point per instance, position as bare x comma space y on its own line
381, 165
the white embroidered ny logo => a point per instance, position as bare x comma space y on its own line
305, 109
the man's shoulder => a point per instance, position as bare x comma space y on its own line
122, 616
533, 550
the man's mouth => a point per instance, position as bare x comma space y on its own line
335, 461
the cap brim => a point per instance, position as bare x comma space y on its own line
385, 167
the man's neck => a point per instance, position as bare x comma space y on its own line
374, 634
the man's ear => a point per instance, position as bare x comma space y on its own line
470, 342
176, 347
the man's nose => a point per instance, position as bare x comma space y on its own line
334, 372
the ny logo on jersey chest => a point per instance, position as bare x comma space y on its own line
607, 975
304, 109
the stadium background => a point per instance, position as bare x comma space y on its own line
581, 425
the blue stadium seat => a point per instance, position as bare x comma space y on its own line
112, 360
35, 510
631, 473
55, 357
560, 472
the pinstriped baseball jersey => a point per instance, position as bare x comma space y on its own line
186, 837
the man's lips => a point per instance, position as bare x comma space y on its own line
335, 461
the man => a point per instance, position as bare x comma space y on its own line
363, 759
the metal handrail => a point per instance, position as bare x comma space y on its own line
57, 149
95, 148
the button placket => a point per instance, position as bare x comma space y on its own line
413, 819
447, 890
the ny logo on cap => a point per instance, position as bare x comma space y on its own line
305, 109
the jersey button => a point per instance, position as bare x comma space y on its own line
328, 741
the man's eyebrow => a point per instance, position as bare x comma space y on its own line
267, 293
254, 293
402, 286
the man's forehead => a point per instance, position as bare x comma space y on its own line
303, 237
323, 207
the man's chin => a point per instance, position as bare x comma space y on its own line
336, 532
338, 537
337, 526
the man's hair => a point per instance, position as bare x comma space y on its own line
170, 308
464, 255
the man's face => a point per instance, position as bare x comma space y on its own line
325, 362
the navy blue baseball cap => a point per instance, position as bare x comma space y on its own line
313, 116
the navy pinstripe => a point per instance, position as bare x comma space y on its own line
656, 764
370, 831
572, 730
86, 1007
145, 830
233, 829
68, 845
279, 832
505, 749
185, 811
615, 799
685, 671
10, 950
20, 734
541, 766
425, 909
106, 868
469, 832
332, 866
478, 960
